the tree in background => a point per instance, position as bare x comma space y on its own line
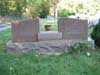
53, 4
42, 7
12, 7
80, 6
38, 8
20, 6
6, 7
32, 8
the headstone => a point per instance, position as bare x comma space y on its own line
25, 31
73, 28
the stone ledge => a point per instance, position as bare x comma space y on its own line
43, 47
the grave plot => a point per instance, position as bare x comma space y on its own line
26, 36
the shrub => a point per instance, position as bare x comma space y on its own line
64, 13
96, 34
43, 13
34, 13
78, 48
44, 7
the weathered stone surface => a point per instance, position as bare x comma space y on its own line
25, 31
73, 28
26, 36
49, 35
19, 47
43, 47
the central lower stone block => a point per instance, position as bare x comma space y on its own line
49, 35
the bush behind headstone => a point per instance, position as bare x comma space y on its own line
96, 34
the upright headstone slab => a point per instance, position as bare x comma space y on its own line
73, 28
25, 31
60, 25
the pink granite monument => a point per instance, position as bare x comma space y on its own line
26, 36
25, 31
73, 29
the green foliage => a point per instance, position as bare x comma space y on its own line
41, 7
34, 12
45, 6
12, 7
83, 6
64, 13
6, 7
78, 48
96, 34
5, 36
44, 12
19, 7
33, 7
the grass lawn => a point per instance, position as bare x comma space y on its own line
5, 36
32, 64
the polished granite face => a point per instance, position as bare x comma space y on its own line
25, 31
68, 28
73, 28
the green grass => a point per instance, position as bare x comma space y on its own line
5, 36
31, 64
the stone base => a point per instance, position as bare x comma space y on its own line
43, 47
49, 35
